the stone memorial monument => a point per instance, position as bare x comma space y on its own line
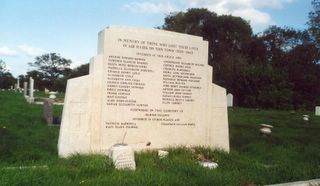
147, 88
229, 100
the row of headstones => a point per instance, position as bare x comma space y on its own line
230, 104
27, 92
29, 96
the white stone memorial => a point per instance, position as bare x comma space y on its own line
147, 88
317, 111
31, 84
25, 89
229, 100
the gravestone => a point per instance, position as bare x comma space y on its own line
229, 100
48, 111
31, 84
122, 157
147, 88
25, 89
317, 111
18, 83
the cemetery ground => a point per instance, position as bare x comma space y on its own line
28, 152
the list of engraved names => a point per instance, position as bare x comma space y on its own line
180, 80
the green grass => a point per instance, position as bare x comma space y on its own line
40, 95
292, 153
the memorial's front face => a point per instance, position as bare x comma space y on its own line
155, 88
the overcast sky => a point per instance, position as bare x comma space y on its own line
32, 27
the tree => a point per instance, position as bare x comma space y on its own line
227, 36
314, 21
3, 68
52, 66
6, 78
79, 71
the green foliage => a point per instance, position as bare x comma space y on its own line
6, 78
3, 68
264, 86
291, 153
51, 67
81, 70
278, 68
314, 21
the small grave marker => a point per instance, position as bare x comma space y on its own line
123, 157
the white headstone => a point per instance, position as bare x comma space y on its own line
25, 89
31, 84
18, 83
46, 91
317, 111
229, 100
148, 88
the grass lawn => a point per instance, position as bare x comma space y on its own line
40, 95
292, 153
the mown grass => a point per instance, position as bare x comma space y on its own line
292, 153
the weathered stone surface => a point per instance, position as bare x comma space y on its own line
122, 157
148, 88
31, 87
48, 111
25, 89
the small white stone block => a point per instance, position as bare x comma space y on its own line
317, 111
305, 117
266, 129
123, 157
208, 164
52, 95
162, 154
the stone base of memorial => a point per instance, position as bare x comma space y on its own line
147, 88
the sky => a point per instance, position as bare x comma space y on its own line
29, 28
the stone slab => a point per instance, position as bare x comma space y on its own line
147, 88
317, 111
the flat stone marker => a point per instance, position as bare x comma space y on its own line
123, 157
229, 100
155, 86
265, 129
317, 111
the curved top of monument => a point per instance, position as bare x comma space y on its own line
153, 31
